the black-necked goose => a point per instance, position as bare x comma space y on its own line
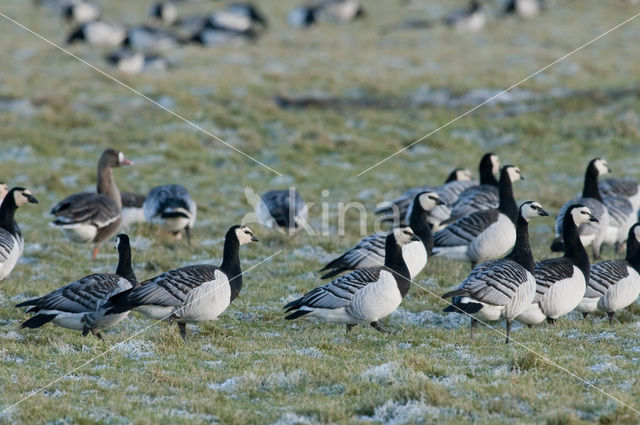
628, 188
237, 21
485, 234
592, 233
364, 295
165, 12
99, 33
149, 39
342, 10
189, 294
80, 12
11, 240
614, 284
470, 19
279, 209
524, 8
504, 288
132, 211
80, 304
369, 252
561, 282
93, 217
172, 207
132, 62
4, 189
480, 197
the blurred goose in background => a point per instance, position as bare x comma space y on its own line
171, 206
80, 12
132, 211
11, 240
561, 282
470, 19
80, 304
93, 217
237, 21
164, 12
99, 33
628, 188
614, 284
485, 234
370, 251
524, 8
279, 209
190, 294
501, 288
133, 62
622, 216
364, 295
330, 10
152, 40
592, 233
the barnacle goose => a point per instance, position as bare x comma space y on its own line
485, 234
524, 8
621, 217
11, 240
4, 189
171, 206
592, 232
470, 19
238, 20
132, 62
132, 211
561, 282
331, 10
481, 197
399, 209
99, 33
151, 40
190, 294
80, 305
614, 284
93, 217
501, 288
279, 209
364, 295
165, 12
628, 188
80, 12
369, 252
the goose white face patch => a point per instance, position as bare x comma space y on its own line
514, 174
244, 235
602, 167
531, 210
463, 175
428, 200
120, 157
495, 161
116, 242
19, 197
636, 232
580, 215
403, 235
4, 189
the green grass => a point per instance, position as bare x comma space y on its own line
251, 366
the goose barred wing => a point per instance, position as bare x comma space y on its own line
89, 208
596, 207
369, 251
169, 199
7, 243
465, 229
403, 202
132, 200
548, 272
449, 192
621, 213
482, 197
604, 275
620, 187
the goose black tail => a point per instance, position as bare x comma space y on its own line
119, 303
38, 320
297, 314
557, 245
34, 301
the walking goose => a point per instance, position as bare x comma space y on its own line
614, 284
628, 188
370, 251
470, 19
364, 295
11, 240
561, 282
279, 209
80, 305
171, 206
592, 232
485, 234
481, 197
501, 288
93, 217
132, 211
190, 294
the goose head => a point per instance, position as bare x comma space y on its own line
403, 235
634, 232
460, 175
490, 160
600, 166
121, 240
22, 196
244, 235
4, 189
112, 158
532, 209
581, 214
513, 172
428, 200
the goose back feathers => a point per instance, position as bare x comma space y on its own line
172, 207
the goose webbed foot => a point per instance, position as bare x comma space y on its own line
508, 332
183, 331
95, 252
474, 324
375, 325
349, 327
610, 316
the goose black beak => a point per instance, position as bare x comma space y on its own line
543, 213
522, 177
254, 239
31, 199
415, 237
593, 218
440, 202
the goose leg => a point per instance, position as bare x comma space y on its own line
474, 323
375, 325
96, 333
584, 315
188, 233
96, 248
183, 331
551, 320
610, 315
349, 327
508, 331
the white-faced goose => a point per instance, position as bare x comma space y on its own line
150, 40
524, 8
614, 284
504, 288
11, 240
364, 295
164, 12
279, 209
99, 33
189, 294
470, 19
93, 217
80, 304
561, 282
132, 211
485, 234
370, 251
482, 197
592, 233
80, 12
172, 207
4, 189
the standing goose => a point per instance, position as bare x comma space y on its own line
470, 19
370, 251
279, 209
11, 240
364, 295
524, 8
171, 206
80, 12
484, 234
80, 305
501, 288
614, 284
561, 282
482, 197
592, 232
132, 211
189, 294
99, 33
93, 217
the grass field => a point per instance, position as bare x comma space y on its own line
380, 93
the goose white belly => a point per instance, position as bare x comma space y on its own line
488, 312
264, 215
376, 300
130, 216
564, 295
588, 305
155, 312
458, 253
80, 321
522, 298
337, 315
12, 258
622, 293
494, 242
175, 224
206, 302
74, 321
415, 257
532, 315
78, 232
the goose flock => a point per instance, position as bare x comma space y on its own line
372, 278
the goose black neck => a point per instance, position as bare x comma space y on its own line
419, 225
394, 262
508, 204
633, 253
453, 176
574, 250
231, 263
590, 189
521, 252
124, 268
7, 214
486, 171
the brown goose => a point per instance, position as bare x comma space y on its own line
93, 217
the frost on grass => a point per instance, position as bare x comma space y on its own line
411, 412
381, 373
293, 419
311, 352
136, 349
430, 319
276, 381
183, 414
